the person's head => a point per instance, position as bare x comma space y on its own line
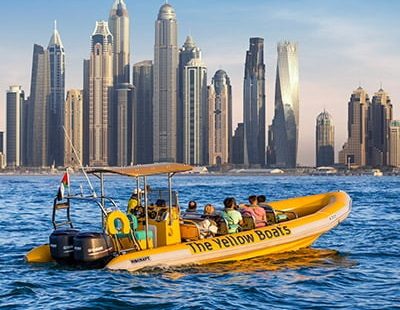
253, 199
261, 198
209, 209
192, 205
229, 203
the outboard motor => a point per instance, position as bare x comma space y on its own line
93, 248
62, 245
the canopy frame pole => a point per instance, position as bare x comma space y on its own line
146, 211
102, 194
170, 175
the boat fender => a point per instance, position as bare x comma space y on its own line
111, 219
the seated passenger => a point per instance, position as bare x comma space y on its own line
262, 202
231, 216
209, 210
208, 228
192, 207
256, 212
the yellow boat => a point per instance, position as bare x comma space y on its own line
158, 236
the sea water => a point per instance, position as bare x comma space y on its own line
356, 265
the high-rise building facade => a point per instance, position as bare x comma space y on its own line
285, 125
165, 86
143, 83
325, 140
394, 144
187, 52
380, 115
73, 122
254, 104
86, 108
39, 104
353, 152
220, 119
238, 145
195, 113
57, 97
118, 23
15, 101
100, 94
121, 109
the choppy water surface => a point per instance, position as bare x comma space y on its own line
356, 265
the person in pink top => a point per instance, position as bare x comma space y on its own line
255, 211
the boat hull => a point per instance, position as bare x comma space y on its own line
325, 211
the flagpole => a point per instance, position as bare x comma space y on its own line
80, 163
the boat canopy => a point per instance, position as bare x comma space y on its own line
144, 170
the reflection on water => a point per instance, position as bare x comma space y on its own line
304, 258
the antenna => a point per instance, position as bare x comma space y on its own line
80, 163
55, 25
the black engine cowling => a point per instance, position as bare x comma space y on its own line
93, 247
62, 245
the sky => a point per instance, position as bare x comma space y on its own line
342, 44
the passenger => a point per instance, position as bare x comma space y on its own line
231, 215
161, 203
192, 207
208, 228
256, 212
133, 201
209, 210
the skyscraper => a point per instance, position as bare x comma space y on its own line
118, 22
165, 85
220, 119
187, 52
73, 122
195, 114
254, 104
238, 145
2, 142
39, 103
394, 144
143, 82
15, 100
100, 94
121, 106
285, 125
354, 150
380, 115
57, 97
325, 140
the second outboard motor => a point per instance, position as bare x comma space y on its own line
62, 245
93, 248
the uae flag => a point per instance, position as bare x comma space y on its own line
64, 186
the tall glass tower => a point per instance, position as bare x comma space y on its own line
57, 97
165, 86
254, 104
325, 140
100, 94
220, 119
121, 106
285, 125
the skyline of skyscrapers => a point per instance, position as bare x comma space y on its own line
285, 125
194, 122
324, 140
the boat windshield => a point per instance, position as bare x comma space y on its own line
163, 194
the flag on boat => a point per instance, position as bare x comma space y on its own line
64, 185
